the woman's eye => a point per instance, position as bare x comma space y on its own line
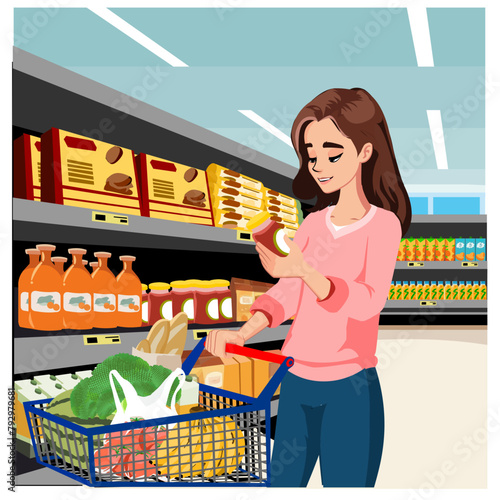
312, 161
333, 159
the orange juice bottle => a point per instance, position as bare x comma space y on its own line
59, 264
469, 290
129, 295
475, 290
462, 289
448, 290
405, 291
402, 250
105, 289
419, 291
45, 299
398, 291
24, 288
433, 291
482, 291
391, 291
440, 290
413, 291
455, 290
426, 292
77, 299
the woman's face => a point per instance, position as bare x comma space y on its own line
333, 160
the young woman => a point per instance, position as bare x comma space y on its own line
335, 281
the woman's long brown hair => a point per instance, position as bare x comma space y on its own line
359, 117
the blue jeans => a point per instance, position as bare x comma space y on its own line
341, 421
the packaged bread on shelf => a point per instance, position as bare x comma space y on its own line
273, 197
27, 167
83, 172
173, 191
217, 175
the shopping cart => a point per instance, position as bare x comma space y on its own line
227, 444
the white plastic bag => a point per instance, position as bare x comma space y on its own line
146, 407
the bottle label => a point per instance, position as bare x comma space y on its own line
77, 302
46, 302
188, 308
226, 307
212, 309
166, 311
129, 303
104, 302
24, 301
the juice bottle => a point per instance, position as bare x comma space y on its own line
410, 249
24, 288
105, 287
59, 264
480, 248
475, 290
426, 291
406, 290
413, 291
448, 290
440, 249
462, 289
470, 249
455, 290
420, 249
398, 291
430, 249
469, 290
402, 250
45, 299
77, 289
129, 295
440, 290
420, 290
391, 291
449, 249
482, 290
460, 249
433, 291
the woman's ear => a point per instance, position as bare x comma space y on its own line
366, 152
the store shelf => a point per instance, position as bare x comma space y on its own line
37, 221
435, 307
449, 219
443, 266
36, 354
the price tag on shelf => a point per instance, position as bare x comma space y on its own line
469, 264
101, 339
199, 334
122, 220
428, 303
415, 264
243, 235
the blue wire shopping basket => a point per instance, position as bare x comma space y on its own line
228, 444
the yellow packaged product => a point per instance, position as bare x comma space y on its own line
410, 249
449, 254
430, 249
440, 249
217, 175
402, 250
420, 249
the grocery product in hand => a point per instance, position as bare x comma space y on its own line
93, 395
24, 288
243, 295
77, 298
269, 233
159, 302
27, 167
174, 191
460, 249
104, 297
59, 264
481, 249
129, 291
430, 249
45, 299
470, 249
83, 172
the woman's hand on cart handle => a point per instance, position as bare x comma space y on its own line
216, 341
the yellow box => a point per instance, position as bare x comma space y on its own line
27, 173
246, 375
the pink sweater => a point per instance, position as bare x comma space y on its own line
336, 337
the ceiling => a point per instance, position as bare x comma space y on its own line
274, 61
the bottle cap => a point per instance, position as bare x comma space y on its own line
85, 262
94, 264
127, 258
144, 287
159, 285
32, 251
257, 220
59, 259
77, 251
219, 283
102, 255
46, 248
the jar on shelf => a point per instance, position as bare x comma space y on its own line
183, 294
206, 303
225, 305
160, 302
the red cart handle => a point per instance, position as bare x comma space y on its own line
255, 353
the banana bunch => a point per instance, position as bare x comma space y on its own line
210, 447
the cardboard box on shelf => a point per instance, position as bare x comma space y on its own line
27, 176
243, 295
263, 371
231, 375
173, 191
246, 374
83, 172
